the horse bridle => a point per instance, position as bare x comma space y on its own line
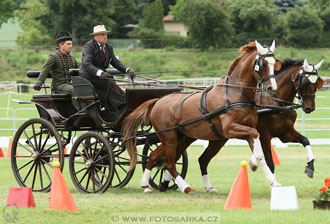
258, 66
303, 81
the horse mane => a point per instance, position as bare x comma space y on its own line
288, 63
250, 47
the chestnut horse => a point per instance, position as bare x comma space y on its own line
177, 118
294, 77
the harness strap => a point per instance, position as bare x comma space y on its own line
203, 109
180, 105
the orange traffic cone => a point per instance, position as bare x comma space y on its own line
9, 147
275, 158
239, 196
1, 153
60, 196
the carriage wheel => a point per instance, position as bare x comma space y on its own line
157, 177
91, 163
122, 174
36, 145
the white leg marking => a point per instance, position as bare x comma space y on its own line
271, 179
181, 183
145, 178
274, 85
257, 150
207, 185
309, 152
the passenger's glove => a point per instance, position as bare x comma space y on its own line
105, 75
131, 73
37, 87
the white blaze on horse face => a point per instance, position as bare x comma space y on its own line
271, 64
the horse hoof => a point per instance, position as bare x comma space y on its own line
147, 190
276, 184
253, 166
189, 190
211, 190
309, 172
163, 186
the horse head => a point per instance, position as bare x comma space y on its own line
264, 66
306, 82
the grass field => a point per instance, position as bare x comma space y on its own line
223, 170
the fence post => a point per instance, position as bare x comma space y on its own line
14, 122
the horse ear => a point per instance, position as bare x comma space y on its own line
319, 64
272, 48
319, 83
278, 65
305, 64
259, 47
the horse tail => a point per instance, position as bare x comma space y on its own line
139, 117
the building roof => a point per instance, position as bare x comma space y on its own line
168, 18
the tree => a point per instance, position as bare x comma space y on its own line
124, 13
153, 16
286, 5
251, 15
304, 26
31, 17
206, 20
79, 17
6, 10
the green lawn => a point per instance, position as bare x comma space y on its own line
223, 170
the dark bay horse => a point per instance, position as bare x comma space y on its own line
233, 96
294, 77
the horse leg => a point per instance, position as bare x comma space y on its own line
183, 144
212, 149
266, 148
294, 136
258, 159
252, 136
152, 162
170, 159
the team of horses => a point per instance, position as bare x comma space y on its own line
256, 83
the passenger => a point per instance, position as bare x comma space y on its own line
58, 65
96, 57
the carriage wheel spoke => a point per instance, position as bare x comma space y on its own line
24, 165
97, 179
98, 153
75, 173
81, 155
83, 177
102, 173
40, 174
88, 178
35, 139
103, 157
153, 178
29, 140
117, 175
25, 147
44, 168
46, 140
93, 179
35, 175
161, 176
122, 168
78, 162
45, 162
28, 174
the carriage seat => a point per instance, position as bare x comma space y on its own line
52, 97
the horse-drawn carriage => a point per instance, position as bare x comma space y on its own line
98, 158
